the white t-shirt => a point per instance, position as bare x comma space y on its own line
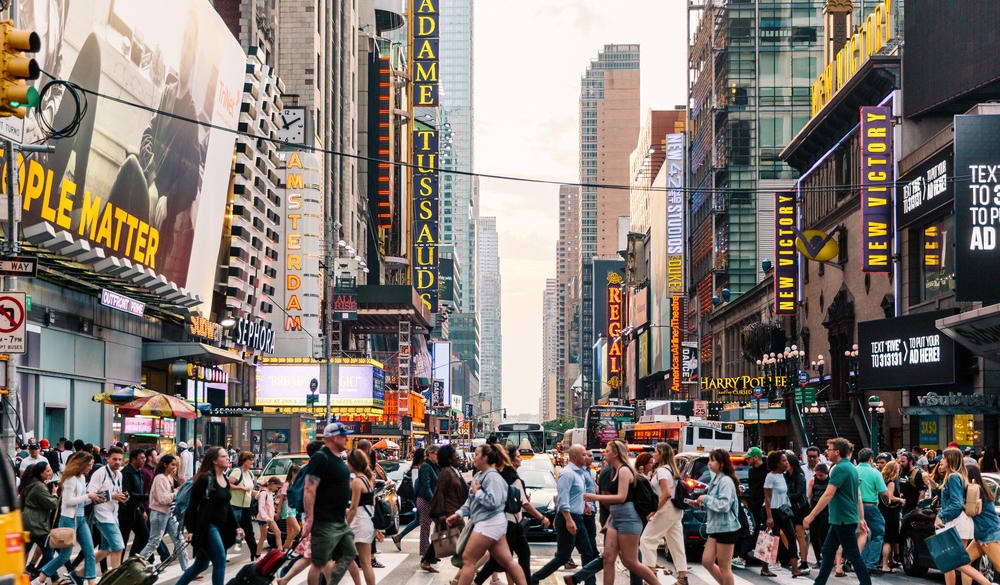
662, 472
28, 462
779, 490
187, 464
104, 480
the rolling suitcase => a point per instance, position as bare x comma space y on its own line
263, 571
134, 570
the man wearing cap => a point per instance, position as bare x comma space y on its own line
187, 461
755, 483
34, 456
325, 497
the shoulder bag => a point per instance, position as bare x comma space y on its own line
973, 502
61, 537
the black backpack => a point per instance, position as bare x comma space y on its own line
513, 504
382, 517
681, 493
644, 498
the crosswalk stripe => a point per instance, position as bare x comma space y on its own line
390, 560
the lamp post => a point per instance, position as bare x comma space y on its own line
876, 408
812, 410
852, 368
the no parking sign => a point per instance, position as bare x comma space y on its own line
13, 326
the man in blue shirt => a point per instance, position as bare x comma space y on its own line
570, 526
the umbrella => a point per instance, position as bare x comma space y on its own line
159, 405
385, 444
124, 395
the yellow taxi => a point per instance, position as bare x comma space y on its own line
11, 531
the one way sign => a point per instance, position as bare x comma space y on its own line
13, 324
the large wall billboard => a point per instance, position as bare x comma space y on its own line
877, 179
675, 215
786, 270
146, 186
977, 207
288, 385
441, 356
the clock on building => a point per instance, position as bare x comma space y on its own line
293, 125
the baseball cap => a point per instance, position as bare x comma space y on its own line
182, 445
953, 445
32, 445
44, 443
336, 428
755, 452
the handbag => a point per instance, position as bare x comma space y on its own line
973, 504
947, 550
445, 539
463, 539
62, 538
766, 550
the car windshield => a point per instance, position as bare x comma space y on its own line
538, 479
280, 465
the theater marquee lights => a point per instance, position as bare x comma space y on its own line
614, 331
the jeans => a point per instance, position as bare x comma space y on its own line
565, 542
86, 542
160, 523
842, 535
210, 551
409, 527
590, 521
876, 533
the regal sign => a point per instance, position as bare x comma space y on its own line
786, 271
876, 188
614, 330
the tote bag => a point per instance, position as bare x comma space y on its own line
947, 550
444, 539
766, 550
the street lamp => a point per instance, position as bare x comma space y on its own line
812, 410
876, 408
852, 368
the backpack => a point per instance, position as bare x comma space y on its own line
513, 503
681, 493
973, 504
183, 499
295, 491
382, 517
644, 498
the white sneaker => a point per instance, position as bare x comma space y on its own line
739, 563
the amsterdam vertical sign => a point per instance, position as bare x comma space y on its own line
786, 270
876, 188
425, 182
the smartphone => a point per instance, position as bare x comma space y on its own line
691, 502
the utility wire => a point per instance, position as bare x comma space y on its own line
402, 164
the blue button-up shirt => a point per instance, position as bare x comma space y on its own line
569, 490
590, 486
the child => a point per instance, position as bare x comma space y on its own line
286, 512
265, 514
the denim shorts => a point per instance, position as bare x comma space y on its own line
625, 519
111, 536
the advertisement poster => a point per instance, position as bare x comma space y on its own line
977, 207
146, 180
786, 270
876, 188
904, 352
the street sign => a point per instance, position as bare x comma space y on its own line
12, 128
313, 385
13, 322
803, 378
805, 395
758, 391
18, 265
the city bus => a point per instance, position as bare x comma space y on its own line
605, 422
529, 438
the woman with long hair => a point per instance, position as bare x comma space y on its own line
986, 531
485, 508
666, 520
418, 460
161, 518
37, 504
795, 479
955, 480
425, 489
722, 506
285, 511
449, 495
75, 496
889, 504
778, 508
361, 511
209, 518
516, 537
621, 541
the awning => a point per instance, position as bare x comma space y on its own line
978, 330
196, 353
945, 410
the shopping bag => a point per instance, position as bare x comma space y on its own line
947, 550
444, 539
463, 539
766, 550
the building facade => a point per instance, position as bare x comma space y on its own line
550, 348
488, 303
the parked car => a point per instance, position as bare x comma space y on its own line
917, 525
540, 462
541, 486
279, 465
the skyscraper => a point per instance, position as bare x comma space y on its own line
568, 298
609, 125
488, 304
550, 349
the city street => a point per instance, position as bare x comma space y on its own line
404, 568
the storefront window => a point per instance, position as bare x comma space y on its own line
937, 262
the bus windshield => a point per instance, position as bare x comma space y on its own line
604, 424
526, 437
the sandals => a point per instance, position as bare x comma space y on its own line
766, 572
425, 566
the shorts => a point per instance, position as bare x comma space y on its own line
493, 528
963, 525
332, 541
111, 536
364, 529
726, 537
625, 519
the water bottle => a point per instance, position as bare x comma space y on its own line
239, 544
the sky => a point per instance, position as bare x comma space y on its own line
529, 58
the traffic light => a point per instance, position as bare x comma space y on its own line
16, 68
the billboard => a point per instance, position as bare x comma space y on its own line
676, 331
144, 181
426, 210
614, 331
877, 181
786, 270
675, 215
426, 42
904, 352
977, 207
288, 385
925, 188
441, 357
